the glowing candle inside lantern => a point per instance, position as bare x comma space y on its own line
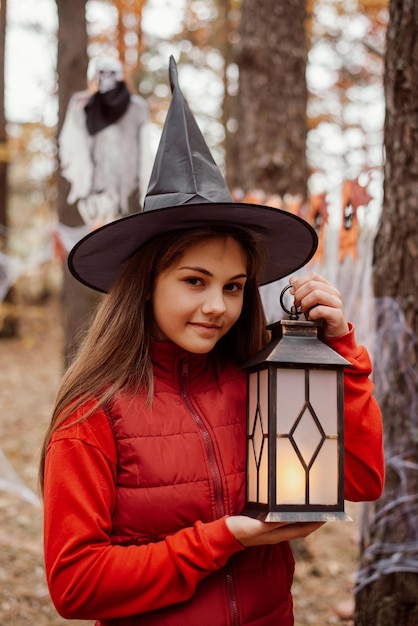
290, 476
295, 418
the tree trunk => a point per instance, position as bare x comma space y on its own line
78, 301
270, 148
272, 127
387, 583
226, 29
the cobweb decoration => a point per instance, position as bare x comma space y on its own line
10, 270
389, 527
10, 481
380, 325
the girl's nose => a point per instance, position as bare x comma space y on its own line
214, 303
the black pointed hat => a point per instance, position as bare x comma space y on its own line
187, 190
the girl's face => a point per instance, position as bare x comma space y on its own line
199, 297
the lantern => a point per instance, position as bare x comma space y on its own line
295, 426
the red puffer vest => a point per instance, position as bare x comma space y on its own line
183, 460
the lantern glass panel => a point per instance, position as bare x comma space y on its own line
290, 387
252, 474
264, 397
323, 398
295, 471
257, 474
307, 436
323, 482
290, 477
257, 453
252, 399
263, 477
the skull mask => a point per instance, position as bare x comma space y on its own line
107, 72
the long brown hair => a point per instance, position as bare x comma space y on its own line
114, 355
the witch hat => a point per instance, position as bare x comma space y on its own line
187, 190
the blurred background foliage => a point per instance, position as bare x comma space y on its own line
345, 111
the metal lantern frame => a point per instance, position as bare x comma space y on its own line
294, 350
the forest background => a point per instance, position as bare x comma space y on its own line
314, 146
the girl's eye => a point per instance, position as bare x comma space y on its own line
234, 287
192, 280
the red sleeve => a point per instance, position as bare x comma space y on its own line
364, 459
88, 577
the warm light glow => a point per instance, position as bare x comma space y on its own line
307, 436
323, 486
254, 476
263, 477
251, 474
295, 387
290, 476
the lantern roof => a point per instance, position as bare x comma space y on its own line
297, 342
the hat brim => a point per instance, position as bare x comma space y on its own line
98, 259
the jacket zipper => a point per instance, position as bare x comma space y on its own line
220, 508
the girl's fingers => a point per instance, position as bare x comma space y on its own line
319, 300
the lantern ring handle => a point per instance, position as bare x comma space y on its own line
294, 312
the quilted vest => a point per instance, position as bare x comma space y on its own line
180, 460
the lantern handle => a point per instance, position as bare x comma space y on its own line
294, 312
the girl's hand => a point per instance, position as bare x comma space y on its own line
318, 300
252, 532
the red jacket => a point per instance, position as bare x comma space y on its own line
136, 499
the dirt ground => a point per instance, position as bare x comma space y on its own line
30, 369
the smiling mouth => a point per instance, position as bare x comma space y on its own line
205, 326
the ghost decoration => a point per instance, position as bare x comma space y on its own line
354, 195
103, 146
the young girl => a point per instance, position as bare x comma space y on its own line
143, 466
